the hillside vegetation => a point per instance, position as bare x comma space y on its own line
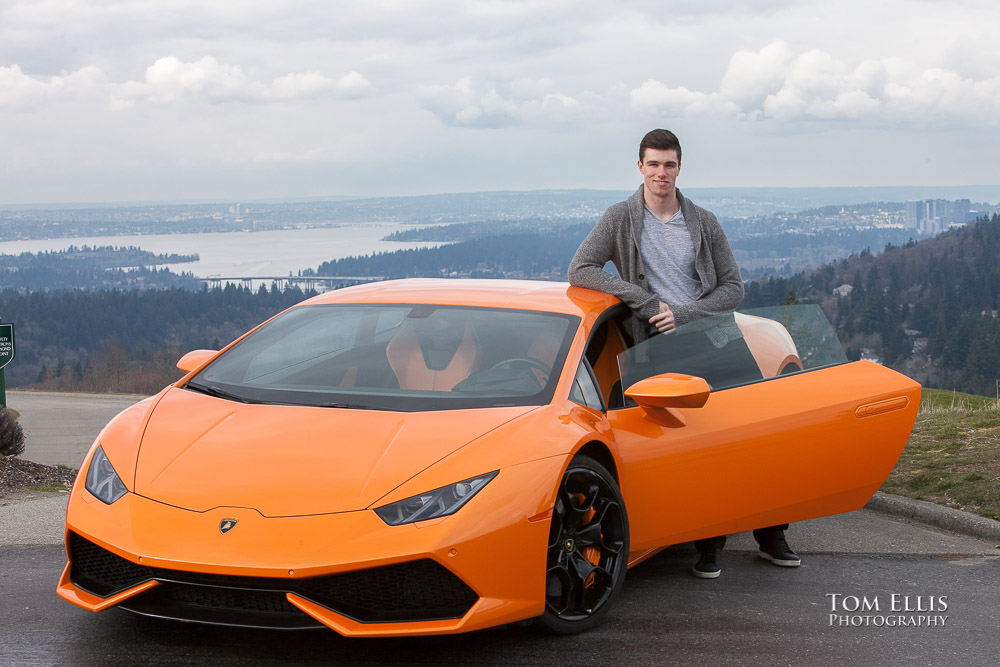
125, 341
953, 456
928, 309
94, 268
515, 253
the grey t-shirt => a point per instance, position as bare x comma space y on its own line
668, 256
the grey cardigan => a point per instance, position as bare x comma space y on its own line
615, 238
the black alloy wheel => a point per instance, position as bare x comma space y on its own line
588, 548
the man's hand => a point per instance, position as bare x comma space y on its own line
663, 320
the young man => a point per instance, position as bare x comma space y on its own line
675, 266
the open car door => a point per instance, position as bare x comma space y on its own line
785, 429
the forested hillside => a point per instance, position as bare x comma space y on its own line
125, 341
519, 254
928, 309
103, 267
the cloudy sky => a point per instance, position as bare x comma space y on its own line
131, 100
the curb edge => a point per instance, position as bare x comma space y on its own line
934, 515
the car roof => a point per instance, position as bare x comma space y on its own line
555, 297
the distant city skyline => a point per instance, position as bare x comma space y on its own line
242, 101
931, 216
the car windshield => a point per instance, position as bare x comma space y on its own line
738, 348
395, 357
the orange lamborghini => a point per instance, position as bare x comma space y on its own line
438, 456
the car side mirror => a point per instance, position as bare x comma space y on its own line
661, 395
195, 359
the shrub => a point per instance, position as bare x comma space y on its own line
11, 435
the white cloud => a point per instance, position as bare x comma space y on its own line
753, 75
776, 85
821, 87
463, 105
23, 92
170, 79
19, 91
352, 86
870, 77
521, 102
656, 98
467, 105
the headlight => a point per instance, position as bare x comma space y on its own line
434, 504
102, 480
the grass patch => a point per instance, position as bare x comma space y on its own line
14, 413
46, 487
953, 455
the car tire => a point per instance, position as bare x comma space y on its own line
588, 548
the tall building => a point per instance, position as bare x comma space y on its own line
963, 211
912, 219
931, 216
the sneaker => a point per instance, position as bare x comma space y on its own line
778, 552
706, 567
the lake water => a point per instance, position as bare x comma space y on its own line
272, 253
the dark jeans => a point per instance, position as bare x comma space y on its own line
762, 535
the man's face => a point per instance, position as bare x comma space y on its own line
659, 170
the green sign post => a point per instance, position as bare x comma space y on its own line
6, 356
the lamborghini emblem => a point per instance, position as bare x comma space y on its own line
227, 525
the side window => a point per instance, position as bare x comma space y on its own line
733, 349
584, 390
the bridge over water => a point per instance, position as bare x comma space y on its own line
318, 283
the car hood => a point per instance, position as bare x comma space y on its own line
199, 452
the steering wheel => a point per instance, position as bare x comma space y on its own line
545, 369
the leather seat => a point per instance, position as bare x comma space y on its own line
433, 358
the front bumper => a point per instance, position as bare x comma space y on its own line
481, 567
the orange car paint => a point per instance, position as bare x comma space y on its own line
335, 460
777, 452
798, 447
323, 544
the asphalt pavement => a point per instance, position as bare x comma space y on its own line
60, 427
894, 550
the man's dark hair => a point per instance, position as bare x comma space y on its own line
661, 140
